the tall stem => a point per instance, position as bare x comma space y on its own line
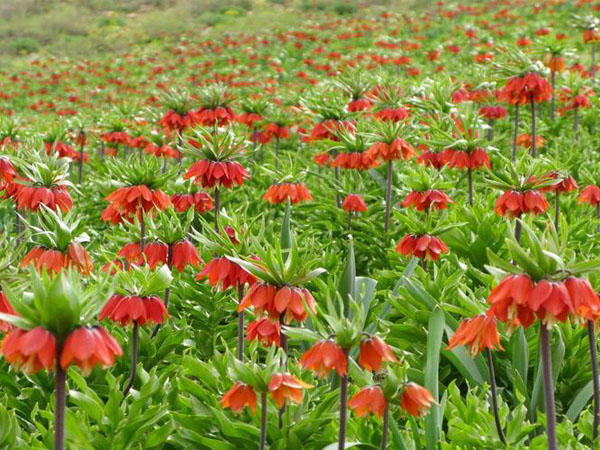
470, 177
142, 231
254, 139
553, 100
595, 381
349, 220
495, 396
167, 290
516, 134
388, 195
217, 208
518, 230
343, 407
533, 132
240, 324
384, 431
593, 68
179, 154
490, 131
263, 420
557, 211
576, 123
548, 388
276, 152
285, 348
80, 162
59, 410
134, 358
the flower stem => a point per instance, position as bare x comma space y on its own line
576, 123
349, 220
518, 230
495, 396
470, 177
240, 324
533, 131
490, 131
142, 231
80, 163
276, 153
343, 407
553, 101
595, 381
384, 430
284, 346
548, 388
388, 195
167, 290
557, 211
217, 208
516, 133
263, 420
59, 410
134, 358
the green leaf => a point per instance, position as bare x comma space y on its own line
347, 283
434, 344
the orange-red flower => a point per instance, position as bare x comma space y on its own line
398, 149
355, 161
54, 260
590, 194
184, 254
31, 197
493, 112
216, 173
422, 246
5, 308
155, 252
522, 90
373, 352
127, 309
238, 396
327, 129
200, 201
265, 330
392, 114
416, 400
249, 119
132, 252
509, 301
555, 63
426, 200
221, 115
224, 272
321, 159
566, 184
429, 158
525, 140
286, 301
127, 202
280, 193
31, 351
368, 400
515, 203
88, 347
477, 159
172, 121
360, 104
325, 356
478, 332
354, 203
586, 303
284, 386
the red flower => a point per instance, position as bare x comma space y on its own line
478, 332
184, 254
477, 159
586, 304
88, 347
525, 140
31, 197
429, 158
521, 90
354, 203
566, 184
355, 161
514, 203
424, 246
221, 115
249, 119
326, 130
211, 173
360, 104
31, 351
173, 121
392, 114
126, 202
398, 149
55, 261
426, 200
238, 396
368, 400
200, 201
132, 252
286, 301
590, 36
6, 308
274, 130
117, 137
590, 194
325, 356
155, 252
280, 193
509, 301
266, 330
128, 309
493, 112
224, 272
321, 159
373, 352
7, 172
416, 400
284, 386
